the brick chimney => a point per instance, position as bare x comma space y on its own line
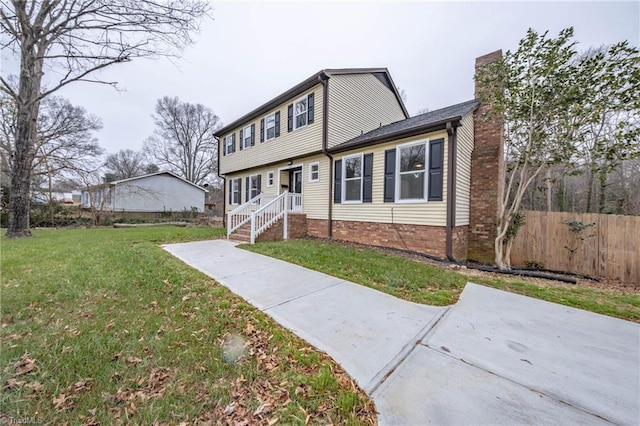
487, 177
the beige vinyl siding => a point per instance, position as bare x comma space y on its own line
359, 103
463, 169
315, 201
424, 213
314, 194
289, 144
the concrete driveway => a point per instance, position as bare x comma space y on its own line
492, 358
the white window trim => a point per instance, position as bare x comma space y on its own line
251, 177
344, 178
425, 198
306, 112
311, 179
228, 143
244, 137
273, 114
270, 177
233, 191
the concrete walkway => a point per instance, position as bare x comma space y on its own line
492, 358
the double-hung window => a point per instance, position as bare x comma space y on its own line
247, 137
269, 178
270, 127
300, 113
352, 178
411, 179
229, 144
254, 186
235, 191
314, 172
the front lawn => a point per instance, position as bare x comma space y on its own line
435, 285
102, 326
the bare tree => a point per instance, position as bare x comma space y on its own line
183, 140
77, 38
126, 163
64, 138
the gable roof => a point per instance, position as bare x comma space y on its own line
116, 182
430, 121
381, 74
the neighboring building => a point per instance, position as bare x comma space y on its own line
356, 167
155, 192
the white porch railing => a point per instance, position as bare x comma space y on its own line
269, 214
295, 202
242, 214
263, 211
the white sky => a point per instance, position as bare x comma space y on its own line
253, 51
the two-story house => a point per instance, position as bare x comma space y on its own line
340, 152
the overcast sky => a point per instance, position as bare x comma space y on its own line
251, 52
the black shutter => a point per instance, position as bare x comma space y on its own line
310, 108
230, 181
233, 142
389, 175
260, 184
253, 134
337, 182
277, 124
241, 141
367, 178
262, 130
239, 190
290, 119
248, 190
436, 162
224, 145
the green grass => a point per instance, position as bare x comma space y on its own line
106, 327
423, 283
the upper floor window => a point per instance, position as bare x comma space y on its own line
229, 143
411, 179
247, 134
314, 172
301, 112
352, 178
270, 127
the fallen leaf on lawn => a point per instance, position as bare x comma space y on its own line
117, 356
133, 360
273, 421
35, 386
24, 366
154, 304
59, 402
93, 411
108, 325
12, 384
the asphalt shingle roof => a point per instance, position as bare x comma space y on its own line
419, 121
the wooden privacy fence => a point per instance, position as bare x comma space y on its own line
609, 248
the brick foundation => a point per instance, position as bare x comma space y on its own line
419, 238
297, 224
460, 242
487, 178
318, 228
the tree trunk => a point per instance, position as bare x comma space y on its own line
25, 137
602, 201
589, 192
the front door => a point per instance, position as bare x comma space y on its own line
295, 187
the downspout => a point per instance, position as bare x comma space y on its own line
451, 188
324, 79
